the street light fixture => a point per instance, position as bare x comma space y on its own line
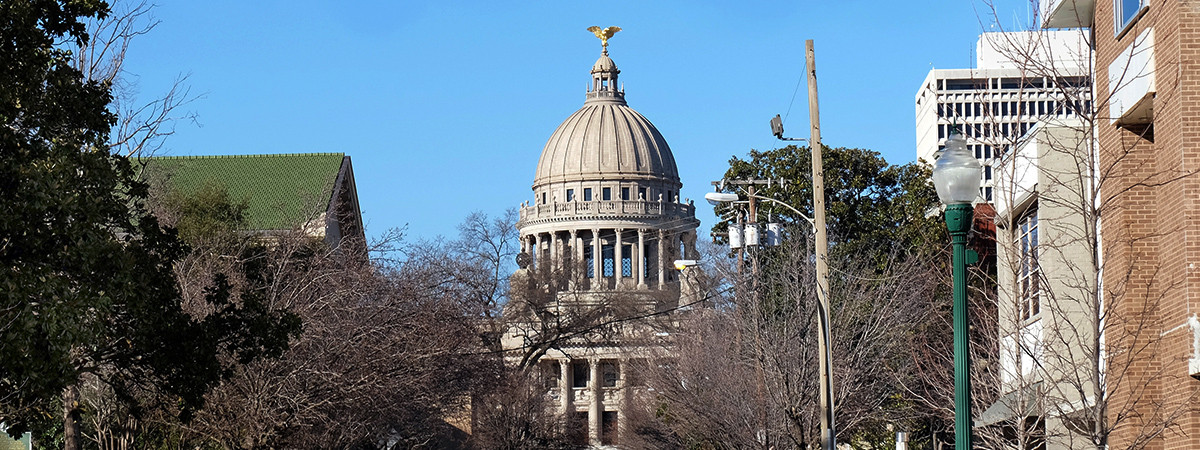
956, 176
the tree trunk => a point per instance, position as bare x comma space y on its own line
71, 417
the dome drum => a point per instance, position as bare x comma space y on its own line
647, 212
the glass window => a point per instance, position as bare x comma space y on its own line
627, 260
1123, 12
588, 262
609, 370
606, 193
624, 193
587, 194
580, 373
1029, 277
570, 195
607, 265
543, 198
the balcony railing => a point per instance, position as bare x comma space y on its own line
611, 207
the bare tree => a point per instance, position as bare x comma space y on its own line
142, 126
1077, 329
745, 373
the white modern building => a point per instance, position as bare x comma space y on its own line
997, 101
599, 240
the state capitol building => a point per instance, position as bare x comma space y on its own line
598, 243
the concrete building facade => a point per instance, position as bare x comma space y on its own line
605, 225
1000, 99
1047, 327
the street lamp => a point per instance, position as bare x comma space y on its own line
956, 177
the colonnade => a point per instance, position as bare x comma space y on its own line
650, 253
595, 389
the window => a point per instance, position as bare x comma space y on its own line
580, 373
606, 264
641, 193
543, 198
570, 195
627, 260
1028, 279
588, 262
625, 193
610, 373
609, 431
587, 194
550, 375
606, 194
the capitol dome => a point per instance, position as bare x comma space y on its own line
606, 140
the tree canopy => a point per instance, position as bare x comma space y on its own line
86, 273
871, 206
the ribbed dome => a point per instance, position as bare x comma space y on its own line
605, 64
606, 139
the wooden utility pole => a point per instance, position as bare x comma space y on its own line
828, 432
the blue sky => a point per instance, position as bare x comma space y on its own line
445, 106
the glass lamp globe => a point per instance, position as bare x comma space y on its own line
956, 172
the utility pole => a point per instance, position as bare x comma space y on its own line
828, 432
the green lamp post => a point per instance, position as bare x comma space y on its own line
956, 175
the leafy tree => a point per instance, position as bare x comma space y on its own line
871, 206
87, 289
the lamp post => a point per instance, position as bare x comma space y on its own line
956, 177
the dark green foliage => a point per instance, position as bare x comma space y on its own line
871, 206
86, 273
207, 214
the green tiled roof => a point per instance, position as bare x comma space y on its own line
283, 190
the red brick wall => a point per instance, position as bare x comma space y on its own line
1151, 231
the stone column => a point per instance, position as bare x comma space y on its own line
537, 252
596, 410
564, 386
640, 266
690, 245
617, 265
662, 263
597, 260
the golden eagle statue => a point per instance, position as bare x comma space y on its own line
604, 34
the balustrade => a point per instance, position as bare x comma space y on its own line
630, 207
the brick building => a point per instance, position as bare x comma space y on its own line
1147, 90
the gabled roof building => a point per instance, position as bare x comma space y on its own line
312, 192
